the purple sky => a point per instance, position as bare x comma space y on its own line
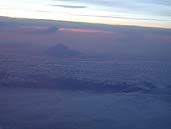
88, 38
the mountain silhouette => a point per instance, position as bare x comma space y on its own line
63, 51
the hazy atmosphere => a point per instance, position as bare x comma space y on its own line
73, 64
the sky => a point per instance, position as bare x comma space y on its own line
148, 13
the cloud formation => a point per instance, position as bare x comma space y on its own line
124, 17
147, 9
70, 6
151, 13
39, 29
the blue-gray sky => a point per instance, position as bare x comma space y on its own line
87, 38
153, 13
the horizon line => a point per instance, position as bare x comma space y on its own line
84, 22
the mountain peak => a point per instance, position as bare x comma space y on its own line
62, 51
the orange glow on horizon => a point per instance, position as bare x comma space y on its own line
78, 30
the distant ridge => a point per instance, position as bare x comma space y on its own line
63, 51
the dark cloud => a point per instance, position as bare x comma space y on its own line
51, 29
39, 29
70, 6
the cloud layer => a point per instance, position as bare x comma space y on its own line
70, 6
88, 38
